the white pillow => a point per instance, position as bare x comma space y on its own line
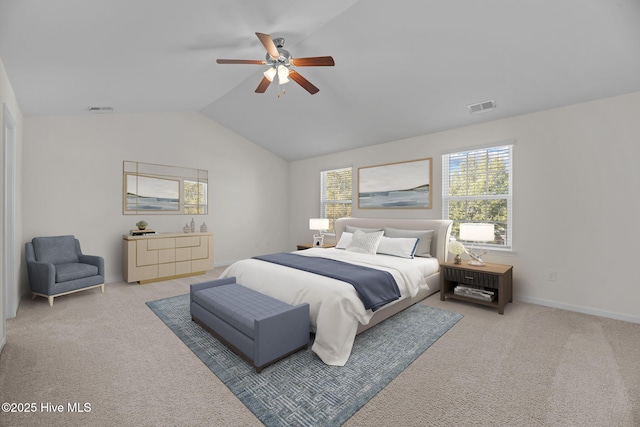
366, 243
425, 236
352, 229
344, 241
404, 247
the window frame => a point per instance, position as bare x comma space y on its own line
325, 201
447, 199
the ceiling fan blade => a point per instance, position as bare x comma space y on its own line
306, 84
240, 61
264, 84
268, 44
315, 61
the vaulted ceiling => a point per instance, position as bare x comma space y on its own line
403, 68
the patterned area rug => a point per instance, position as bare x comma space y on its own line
301, 390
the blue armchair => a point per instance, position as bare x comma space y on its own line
56, 267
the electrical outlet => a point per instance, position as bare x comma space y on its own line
551, 276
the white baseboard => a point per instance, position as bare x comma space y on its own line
580, 309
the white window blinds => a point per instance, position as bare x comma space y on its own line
477, 187
335, 194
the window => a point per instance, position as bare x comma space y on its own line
195, 197
335, 195
477, 187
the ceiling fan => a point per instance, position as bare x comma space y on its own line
280, 62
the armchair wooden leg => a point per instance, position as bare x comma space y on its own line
50, 301
102, 288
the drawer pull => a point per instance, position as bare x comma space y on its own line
468, 277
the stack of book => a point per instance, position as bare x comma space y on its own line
141, 232
477, 293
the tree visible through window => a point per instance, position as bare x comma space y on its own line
477, 187
195, 197
335, 194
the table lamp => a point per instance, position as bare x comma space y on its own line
476, 232
318, 224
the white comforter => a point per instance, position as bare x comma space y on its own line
335, 308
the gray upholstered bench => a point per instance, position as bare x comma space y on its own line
258, 327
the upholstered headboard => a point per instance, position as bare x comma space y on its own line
441, 229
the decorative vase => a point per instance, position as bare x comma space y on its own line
203, 228
457, 259
142, 227
186, 228
193, 225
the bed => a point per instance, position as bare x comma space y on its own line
337, 314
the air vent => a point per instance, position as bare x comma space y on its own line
100, 110
482, 107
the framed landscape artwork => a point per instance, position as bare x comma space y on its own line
402, 185
162, 189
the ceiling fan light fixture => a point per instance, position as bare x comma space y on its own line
283, 74
270, 73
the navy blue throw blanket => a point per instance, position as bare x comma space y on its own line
375, 287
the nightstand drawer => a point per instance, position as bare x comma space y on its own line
474, 278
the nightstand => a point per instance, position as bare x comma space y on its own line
496, 278
326, 245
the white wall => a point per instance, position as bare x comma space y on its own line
576, 180
8, 101
73, 182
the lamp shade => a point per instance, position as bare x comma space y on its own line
270, 73
477, 232
283, 74
318, 223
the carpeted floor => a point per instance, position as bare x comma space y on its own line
301, 390
534, 366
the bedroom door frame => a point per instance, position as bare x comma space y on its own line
9, 133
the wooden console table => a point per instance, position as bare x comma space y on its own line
164, 256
